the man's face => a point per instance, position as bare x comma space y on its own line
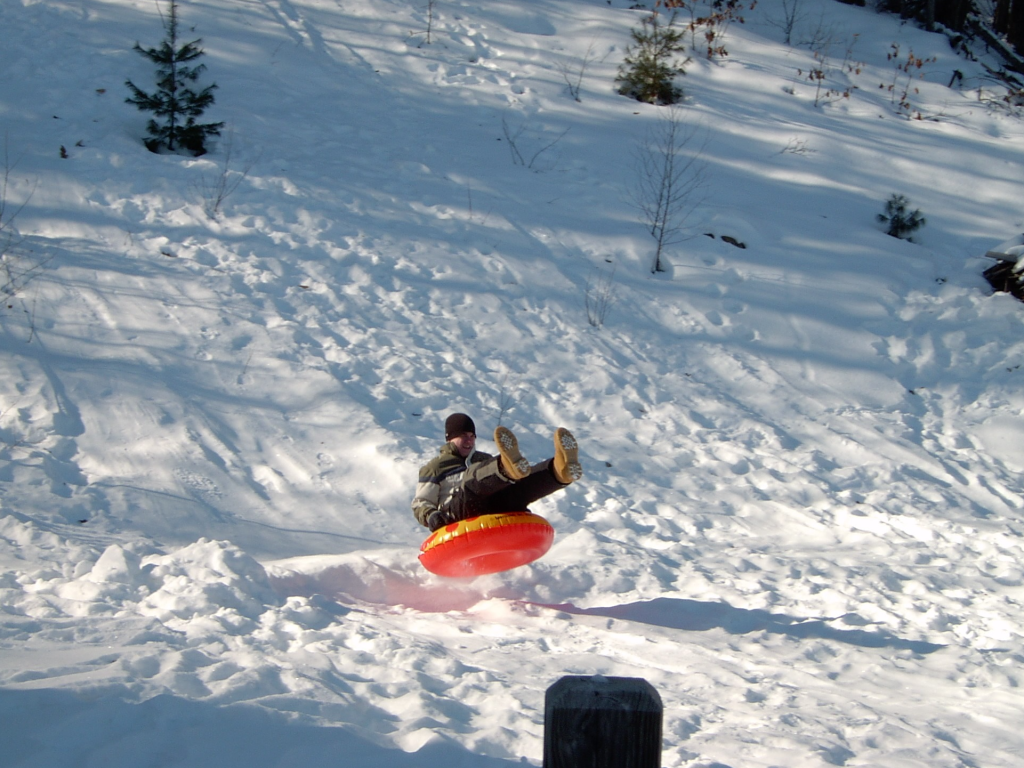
464, 443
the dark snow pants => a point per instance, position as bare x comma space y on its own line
485, 490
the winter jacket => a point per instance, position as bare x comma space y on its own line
439, 478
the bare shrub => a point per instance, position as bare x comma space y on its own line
669, 181
599, 296
573, 71
215, 189
540, 144
18, 266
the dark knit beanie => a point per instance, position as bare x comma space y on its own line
456, 424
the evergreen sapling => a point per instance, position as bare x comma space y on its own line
174, 100
901, 221
650, 64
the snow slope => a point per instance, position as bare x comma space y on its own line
801, 515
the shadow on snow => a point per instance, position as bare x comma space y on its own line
697, 616
99, 727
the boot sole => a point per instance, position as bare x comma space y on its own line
567, 453
512, 460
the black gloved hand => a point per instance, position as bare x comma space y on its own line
439, 519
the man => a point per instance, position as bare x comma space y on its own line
462, 482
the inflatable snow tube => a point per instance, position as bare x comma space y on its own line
487, 544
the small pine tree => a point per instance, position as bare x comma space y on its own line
901, 222
650, 64
174, 101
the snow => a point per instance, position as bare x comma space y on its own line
801, 517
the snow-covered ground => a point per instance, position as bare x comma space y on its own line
802, 515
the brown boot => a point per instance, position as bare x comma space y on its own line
566, 467
513, 465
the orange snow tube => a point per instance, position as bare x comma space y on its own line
486, 544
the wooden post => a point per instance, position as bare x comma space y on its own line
602, 722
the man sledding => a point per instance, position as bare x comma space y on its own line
461, 482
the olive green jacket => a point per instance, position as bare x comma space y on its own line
439, 478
